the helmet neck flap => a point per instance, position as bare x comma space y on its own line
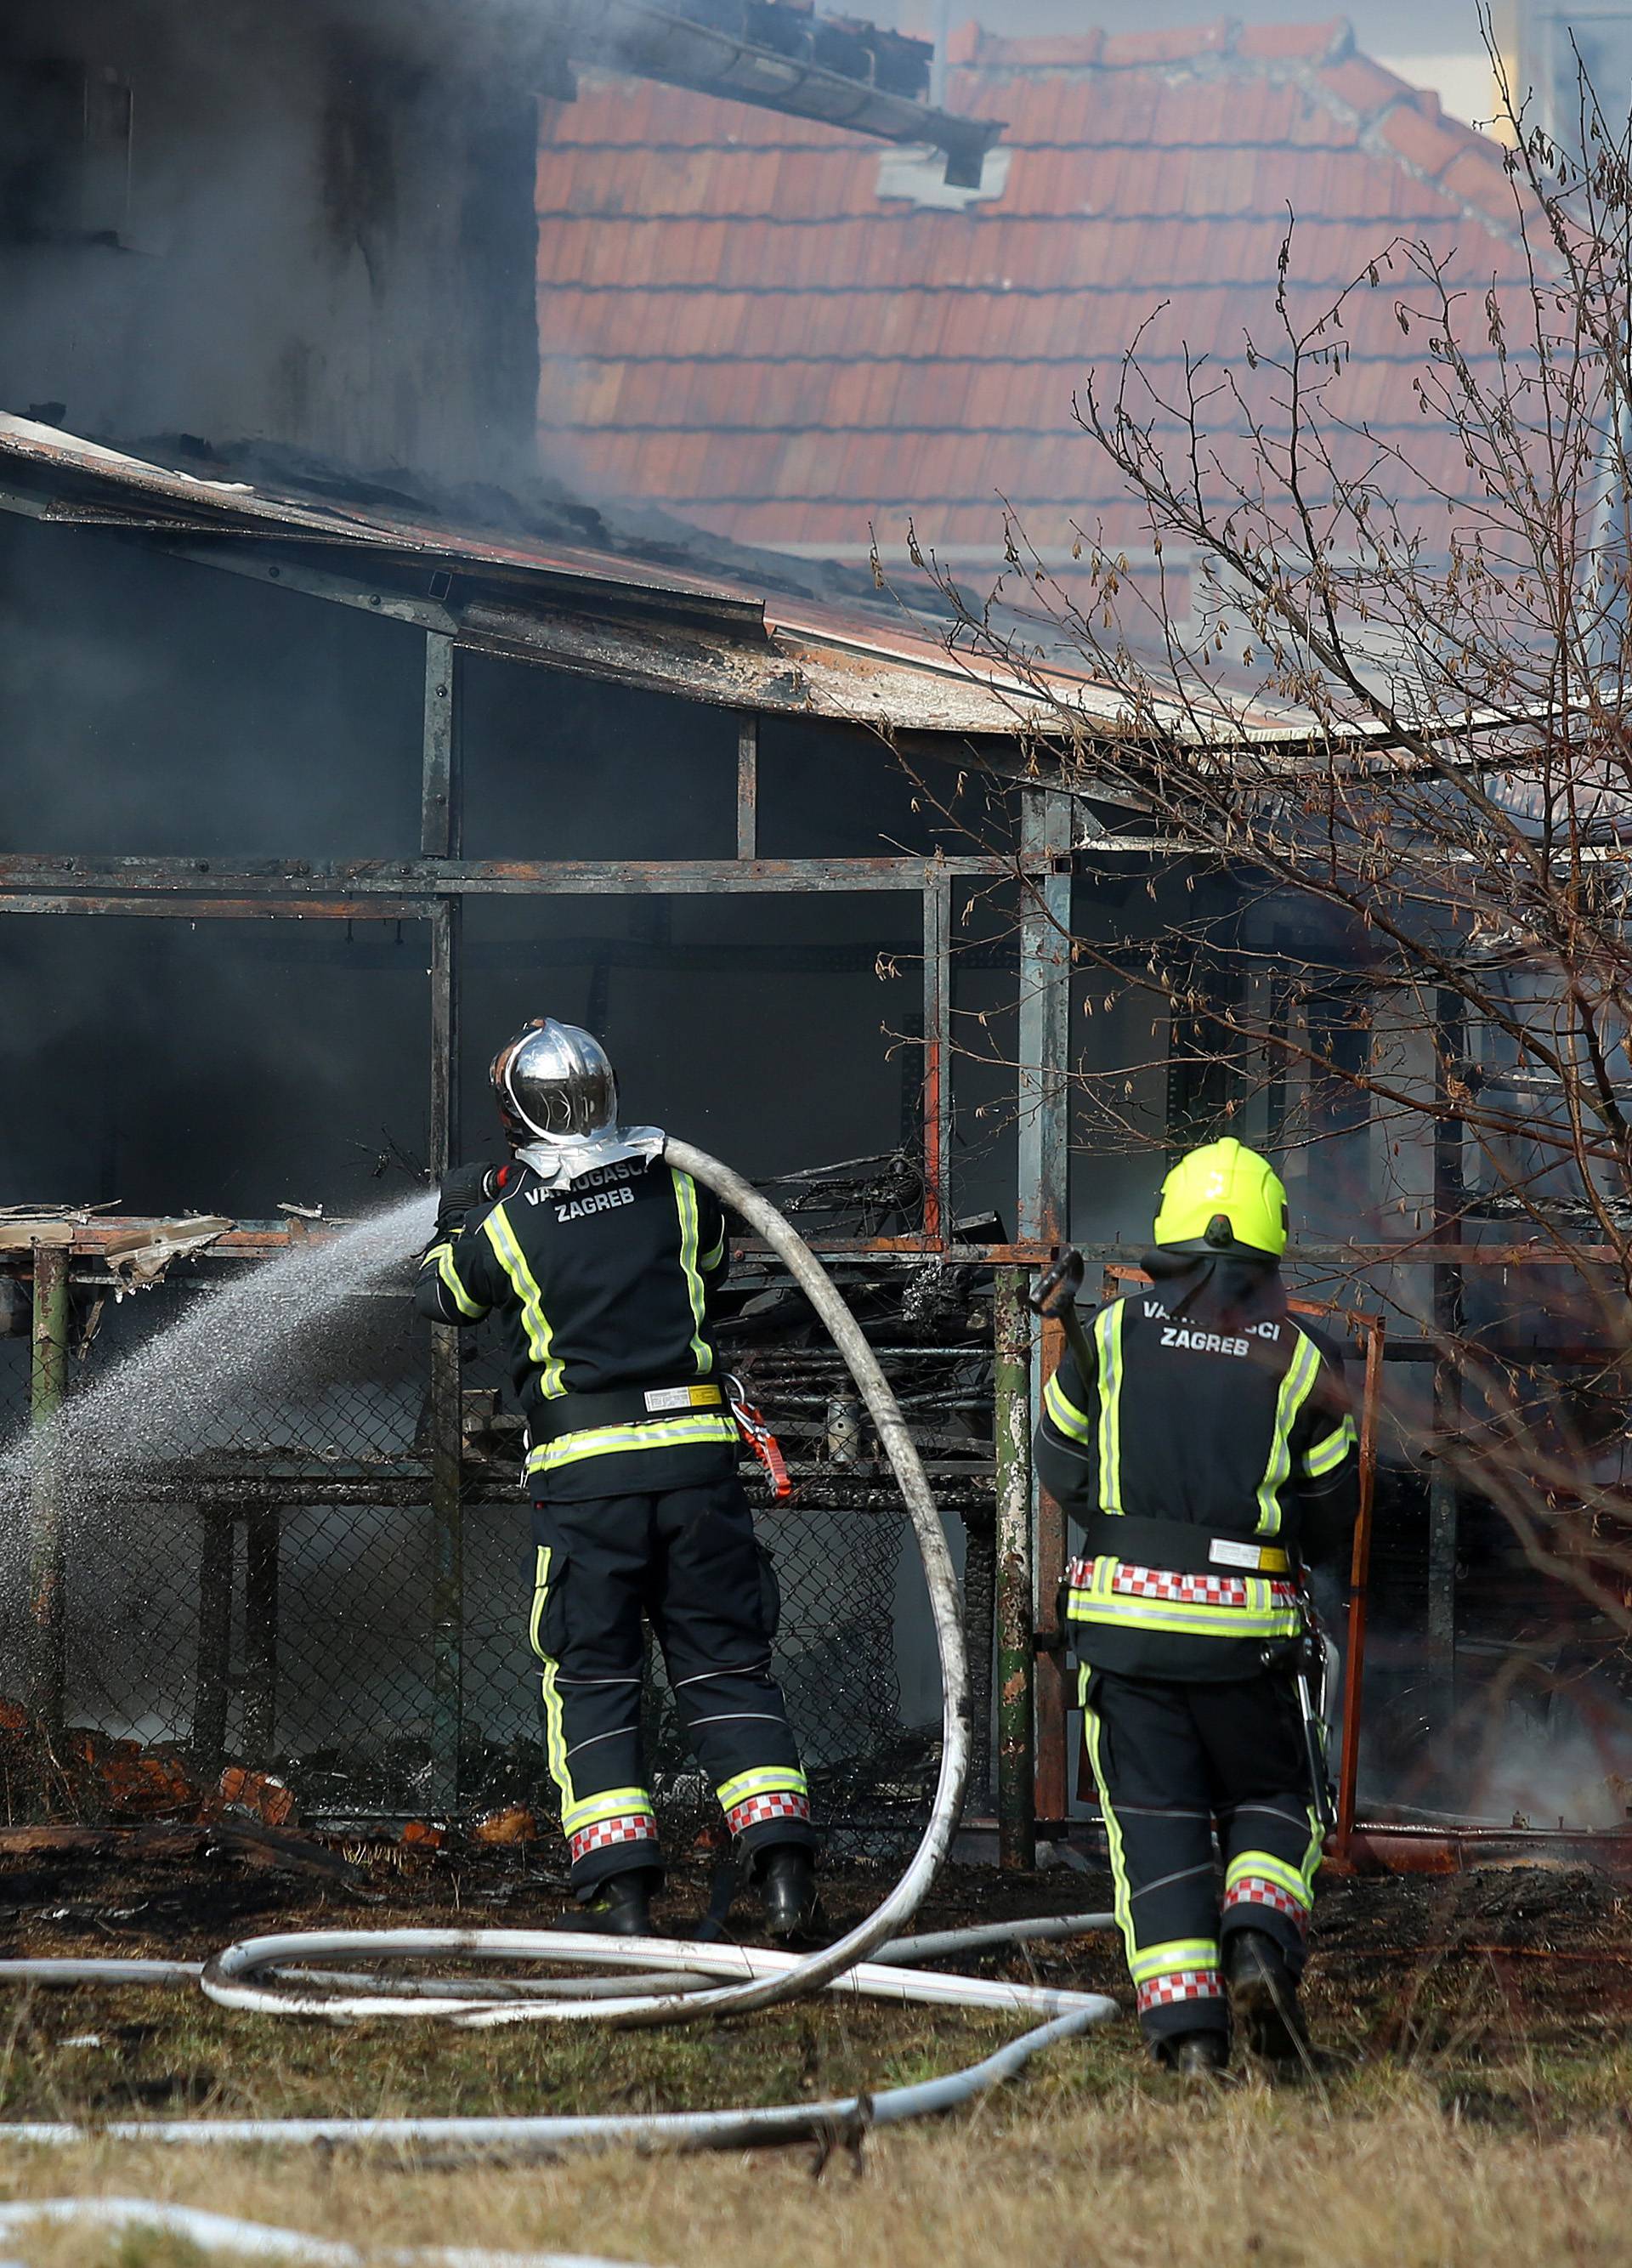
557, 1164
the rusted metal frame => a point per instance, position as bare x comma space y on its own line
448, 874
1450, 1041
979, 1618
938, 1064
747, 787
255, 908
92, 1238
47, 1494
384, 561
231, 555
1042, 1217
1359, 1582
438, 809
441, 838
1355, 1259
1016, 1663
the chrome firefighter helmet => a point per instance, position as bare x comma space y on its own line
554, 1084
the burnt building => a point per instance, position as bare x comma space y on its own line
344, 731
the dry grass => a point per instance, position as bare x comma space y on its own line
1476, 2110
1441, 2154
1137, 2176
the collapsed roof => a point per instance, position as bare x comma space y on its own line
595, 614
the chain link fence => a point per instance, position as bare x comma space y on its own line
265, 1594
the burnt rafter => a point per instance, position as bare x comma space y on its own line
783, 57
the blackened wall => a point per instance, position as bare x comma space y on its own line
311, 224
156, 707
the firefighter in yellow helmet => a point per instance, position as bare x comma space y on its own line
1209, 1446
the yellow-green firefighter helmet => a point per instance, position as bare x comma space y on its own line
1222, 1197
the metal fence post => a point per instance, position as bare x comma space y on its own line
938, 918
212, 1677
1043, 1208
48, 1385
980, 1612
441, 837
1450, 1196
1016, 1659
262, 1532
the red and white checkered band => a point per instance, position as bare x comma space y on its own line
633, 1827
1194, 1590
1254, 1890
782, 1804
1183, 1985
1189, 1590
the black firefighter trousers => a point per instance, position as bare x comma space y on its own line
1172, 1762
689, 1558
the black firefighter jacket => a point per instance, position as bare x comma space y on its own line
1209, 1444
602, 1288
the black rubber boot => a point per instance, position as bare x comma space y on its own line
620, 1907
1196, 2054
1263, 1996
784, 1877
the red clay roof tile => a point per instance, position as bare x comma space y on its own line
1472, 180
1282, 42
734, 324
1142, 51
1038, 55
1363, 85
1422, 141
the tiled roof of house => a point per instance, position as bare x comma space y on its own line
736, 323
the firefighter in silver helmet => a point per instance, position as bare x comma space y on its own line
601, 1259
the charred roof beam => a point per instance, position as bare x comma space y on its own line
665, 43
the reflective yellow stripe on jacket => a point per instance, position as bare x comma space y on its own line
1296, 1387
1107, 1345
1327, 1456
686, 1205
447, 1275
1259, 1616
614, 1440
1103, 1429
534, 1322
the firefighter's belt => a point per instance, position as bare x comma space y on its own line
1178, 1546
576, 1413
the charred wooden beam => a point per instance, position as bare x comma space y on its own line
937, 1058
748, 788
441, 839
1043, 1208
48, 1385
350, 883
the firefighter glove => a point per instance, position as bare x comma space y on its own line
466, 1187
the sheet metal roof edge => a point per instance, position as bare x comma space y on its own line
255, 510
636, 35
900, 676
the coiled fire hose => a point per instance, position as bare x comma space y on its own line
691, 1980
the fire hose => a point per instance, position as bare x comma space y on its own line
691, 1980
